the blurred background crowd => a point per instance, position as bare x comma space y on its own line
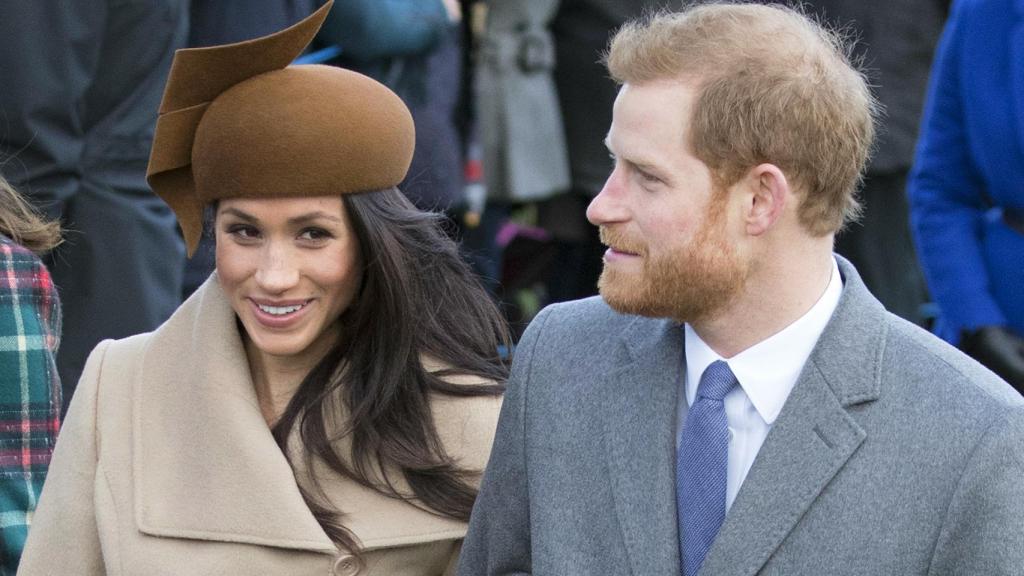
511, 105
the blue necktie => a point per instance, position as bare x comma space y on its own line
702, 467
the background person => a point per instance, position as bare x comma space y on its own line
29, 384
81, 86
322, 404
967, 204
895, 41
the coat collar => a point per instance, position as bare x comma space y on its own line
207, 467
813, 437
639, 434
810, 442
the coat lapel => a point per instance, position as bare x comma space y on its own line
207, 467
639, 432
812, 439
205, 464
466, 429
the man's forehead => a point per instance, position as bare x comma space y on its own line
649, 122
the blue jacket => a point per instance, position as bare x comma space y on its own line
371, 29
970, 168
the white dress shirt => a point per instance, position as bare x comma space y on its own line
767, 372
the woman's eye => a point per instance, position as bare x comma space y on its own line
243, 232
315, 234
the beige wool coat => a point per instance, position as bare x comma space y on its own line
165, 466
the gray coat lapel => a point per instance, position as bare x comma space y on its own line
811, 440
640, 426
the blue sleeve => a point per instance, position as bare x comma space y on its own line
371, 29
947, 194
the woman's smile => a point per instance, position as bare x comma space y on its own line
280, 314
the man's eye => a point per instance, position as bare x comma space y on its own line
648, 177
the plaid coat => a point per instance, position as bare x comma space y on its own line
30, 395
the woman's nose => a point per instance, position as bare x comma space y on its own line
277, 271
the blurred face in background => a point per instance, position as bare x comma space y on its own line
666, 224
290, 267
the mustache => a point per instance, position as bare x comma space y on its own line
619, 242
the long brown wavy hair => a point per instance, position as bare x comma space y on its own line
418, 299
20, 222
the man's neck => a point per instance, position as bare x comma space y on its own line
774, 298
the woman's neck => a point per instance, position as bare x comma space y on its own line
275, 379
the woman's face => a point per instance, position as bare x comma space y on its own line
290, 267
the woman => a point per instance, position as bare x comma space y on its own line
967, 202
324, 402
29, 387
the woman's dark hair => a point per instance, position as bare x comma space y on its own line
418, 300
20, 222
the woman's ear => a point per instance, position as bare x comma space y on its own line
767, 194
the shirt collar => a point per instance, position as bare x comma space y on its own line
768, 370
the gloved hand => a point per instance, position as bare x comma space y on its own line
1000, 350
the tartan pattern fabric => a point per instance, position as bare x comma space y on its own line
30, 393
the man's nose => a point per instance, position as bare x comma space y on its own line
608, 206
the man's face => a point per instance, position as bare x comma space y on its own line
671, 253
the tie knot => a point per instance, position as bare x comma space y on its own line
716, 381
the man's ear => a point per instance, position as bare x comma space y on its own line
767, 192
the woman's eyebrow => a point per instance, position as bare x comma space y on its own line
296, 220
239, 214
311, 216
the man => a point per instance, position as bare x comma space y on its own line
736, 402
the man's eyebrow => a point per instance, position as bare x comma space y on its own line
641, 163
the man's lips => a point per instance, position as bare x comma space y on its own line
617, 255
622, 251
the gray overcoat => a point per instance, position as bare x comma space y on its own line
894, 454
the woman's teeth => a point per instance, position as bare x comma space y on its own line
279, 310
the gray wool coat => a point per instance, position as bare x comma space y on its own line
525, 157
894, 454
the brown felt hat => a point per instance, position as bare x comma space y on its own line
238, 121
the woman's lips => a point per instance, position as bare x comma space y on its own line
279, 314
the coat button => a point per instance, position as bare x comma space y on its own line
346, 565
